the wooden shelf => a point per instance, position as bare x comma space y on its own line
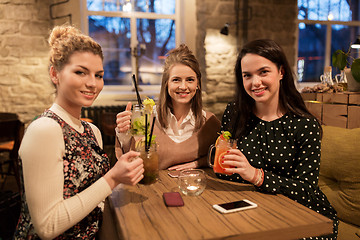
335, 109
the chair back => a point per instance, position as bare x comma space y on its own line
108, 123
12, 130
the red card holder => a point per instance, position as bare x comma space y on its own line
173, 199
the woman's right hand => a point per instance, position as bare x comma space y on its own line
239, 163
123, 119
128, 170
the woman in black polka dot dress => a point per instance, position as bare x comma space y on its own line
278, 139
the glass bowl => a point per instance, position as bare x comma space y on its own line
192, 182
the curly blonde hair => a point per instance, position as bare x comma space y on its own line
65, 40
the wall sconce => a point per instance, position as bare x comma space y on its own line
356, 44
225, 29
246, 12
247, 16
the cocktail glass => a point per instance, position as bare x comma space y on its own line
151, 162
137, 127
221, 148
137, 120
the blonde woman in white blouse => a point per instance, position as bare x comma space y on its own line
183, 130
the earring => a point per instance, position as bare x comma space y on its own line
197, 88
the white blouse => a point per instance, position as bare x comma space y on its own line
176, 133
180, 133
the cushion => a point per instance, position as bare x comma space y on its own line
340, 171
347, 231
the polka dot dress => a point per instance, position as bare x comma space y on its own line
288, 150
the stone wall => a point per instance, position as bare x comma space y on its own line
25, 87
274, 19
24, 83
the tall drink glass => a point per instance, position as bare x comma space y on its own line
137, 127
221, 148
151, 162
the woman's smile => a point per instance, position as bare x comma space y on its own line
183, 94
259, 91
88, 93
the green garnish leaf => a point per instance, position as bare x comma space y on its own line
226, 134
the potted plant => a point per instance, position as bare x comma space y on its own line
342, 60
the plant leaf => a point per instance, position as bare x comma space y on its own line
355, 69
339, 59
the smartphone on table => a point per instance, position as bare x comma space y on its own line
235, 206
174, 173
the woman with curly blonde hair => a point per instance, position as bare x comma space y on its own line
66, 174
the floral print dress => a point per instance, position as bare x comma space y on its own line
84, 162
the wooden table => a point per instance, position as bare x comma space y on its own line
140, 213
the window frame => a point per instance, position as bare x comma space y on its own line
327, 56
126, 91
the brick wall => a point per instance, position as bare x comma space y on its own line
24, 83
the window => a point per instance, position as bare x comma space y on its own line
135, 35
324, 27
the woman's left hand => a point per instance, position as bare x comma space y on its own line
239, 164
189, 165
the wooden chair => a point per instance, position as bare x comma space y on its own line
11, 134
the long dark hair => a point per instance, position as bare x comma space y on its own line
290, 99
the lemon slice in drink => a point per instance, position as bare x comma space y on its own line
148, 104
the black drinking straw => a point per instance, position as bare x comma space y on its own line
151, 132
146, 145
136, 90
